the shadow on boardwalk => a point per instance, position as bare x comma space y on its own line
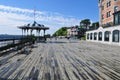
63, 60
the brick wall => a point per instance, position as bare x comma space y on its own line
107, 9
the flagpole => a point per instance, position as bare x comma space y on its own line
34, 14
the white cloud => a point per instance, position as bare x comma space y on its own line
18, 10
11, 17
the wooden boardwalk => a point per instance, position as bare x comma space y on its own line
63, 60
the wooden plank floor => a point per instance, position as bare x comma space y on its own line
63, 60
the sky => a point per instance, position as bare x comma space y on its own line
53, 14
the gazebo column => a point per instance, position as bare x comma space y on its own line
36, 32
31, 31
44, 34
27, 32
39, 32
24, 32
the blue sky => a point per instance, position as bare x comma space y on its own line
54, 14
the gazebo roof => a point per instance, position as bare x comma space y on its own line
35, 25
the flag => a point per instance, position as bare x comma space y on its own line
34, 13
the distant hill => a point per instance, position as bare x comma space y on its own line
5, 36
61, 32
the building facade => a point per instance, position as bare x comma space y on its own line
107, 9
109, 20
75, 32
72, 31
105, 35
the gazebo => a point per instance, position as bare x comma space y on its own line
31, 27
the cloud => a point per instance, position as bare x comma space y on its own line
11, 17
18, 10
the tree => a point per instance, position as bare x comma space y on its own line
85, 23
47, 36
61, 32
95, 25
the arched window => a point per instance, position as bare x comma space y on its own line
100, 36
88, 36
95, 36
91, 36
116, 8
116, 36
106, 36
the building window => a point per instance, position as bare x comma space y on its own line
108, 3
116, 9
108, 14
91, 36
101, 1
106, 37
117, 18
95, 36
100, 36
102, 7
116, 36
88, 36
102, 16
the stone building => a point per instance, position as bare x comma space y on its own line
107, 9
109, 20
75, 32
72, 32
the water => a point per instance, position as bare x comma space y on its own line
3, 37
10, 37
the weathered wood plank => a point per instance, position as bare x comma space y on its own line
63, 60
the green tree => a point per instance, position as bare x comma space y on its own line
85, 23
61, 32
47, 36
94, 25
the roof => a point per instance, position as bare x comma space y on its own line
35, 25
